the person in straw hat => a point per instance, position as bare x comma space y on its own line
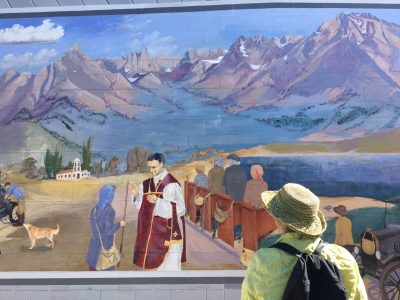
296, 213
344, 233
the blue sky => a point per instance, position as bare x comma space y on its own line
165, 33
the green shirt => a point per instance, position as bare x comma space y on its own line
269, 269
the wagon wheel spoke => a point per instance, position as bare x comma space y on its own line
395, 293
390, 282
14, 213
393, 280
389, 285
391, 298
397, 275
388, 292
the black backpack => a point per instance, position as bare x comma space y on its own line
313, 277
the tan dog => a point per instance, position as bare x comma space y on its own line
36, 233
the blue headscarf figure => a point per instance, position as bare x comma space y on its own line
219, 162
106, 196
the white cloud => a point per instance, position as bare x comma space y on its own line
47, 32
132, 25
156, 43
28, 59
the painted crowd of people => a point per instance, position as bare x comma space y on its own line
230, 178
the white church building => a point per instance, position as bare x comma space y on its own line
75, 174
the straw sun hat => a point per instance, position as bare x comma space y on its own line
296, 207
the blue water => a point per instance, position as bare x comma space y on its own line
182, 126
180, 132
366, 175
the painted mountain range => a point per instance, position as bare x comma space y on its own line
342, 81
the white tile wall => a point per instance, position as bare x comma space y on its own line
122, 292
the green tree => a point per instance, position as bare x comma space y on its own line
48, 159
87, 155
59, 165
52, 163
56, 163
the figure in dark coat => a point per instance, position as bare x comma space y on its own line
216, 176
235, 179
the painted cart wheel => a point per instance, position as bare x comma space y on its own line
356, 253
5, 220
389, 283
13, 215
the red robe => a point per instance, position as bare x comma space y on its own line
156, 234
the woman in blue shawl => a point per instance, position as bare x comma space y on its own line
104, 214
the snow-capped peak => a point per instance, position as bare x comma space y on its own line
255, 67
214, 61
243, 49
278, 42
132, 79
127, 69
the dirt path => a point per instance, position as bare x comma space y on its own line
66, 204
72, 214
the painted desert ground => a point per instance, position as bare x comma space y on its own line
68, 204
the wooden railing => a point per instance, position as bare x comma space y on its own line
225, 230
190, 193
237, 213
256, 223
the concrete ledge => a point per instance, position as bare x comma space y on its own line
189, 6
122, 278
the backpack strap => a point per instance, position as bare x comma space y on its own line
293, 251
299, 271
287, 248
320, 246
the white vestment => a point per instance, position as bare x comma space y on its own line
172, 193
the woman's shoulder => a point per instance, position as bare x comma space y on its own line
338, 255
269, 256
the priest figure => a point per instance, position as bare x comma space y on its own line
160, 239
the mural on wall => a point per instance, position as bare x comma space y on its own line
266, 95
